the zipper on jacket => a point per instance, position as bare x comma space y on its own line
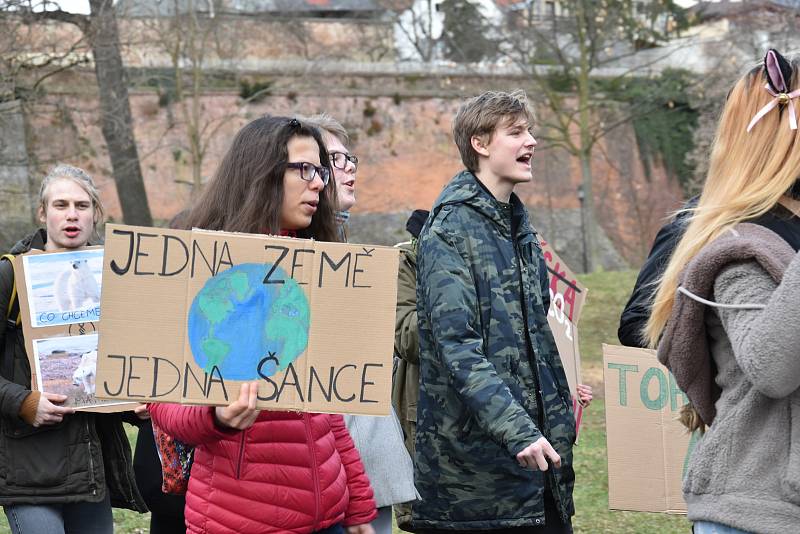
240, 458
543, 424
92, 483
314, 472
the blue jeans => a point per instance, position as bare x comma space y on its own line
335, 529
706, 527
72, 518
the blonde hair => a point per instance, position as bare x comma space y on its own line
327, 125
80, 177
747, 176
482, 115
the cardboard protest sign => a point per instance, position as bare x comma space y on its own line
563, 282
648, 448
190, 315
567, 297
59, 296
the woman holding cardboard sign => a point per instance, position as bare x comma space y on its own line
270, 471
725, 317
61, 471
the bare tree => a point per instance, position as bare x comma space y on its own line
100, 30
187, 32
29, 56
752, 29
417, 26
564, 53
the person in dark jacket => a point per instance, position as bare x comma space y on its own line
60, 471
495, 426
637, 310
405, 367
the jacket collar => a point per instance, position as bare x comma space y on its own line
465, 188
36, 241
684, 347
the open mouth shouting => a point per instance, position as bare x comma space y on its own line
525, 159
72, 231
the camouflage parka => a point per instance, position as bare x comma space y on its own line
491, 380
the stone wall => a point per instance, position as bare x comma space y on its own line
400, 124
16, 196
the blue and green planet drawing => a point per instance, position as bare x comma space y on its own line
236, 321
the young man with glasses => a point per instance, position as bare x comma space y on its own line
379, 440
344, 164
495, 426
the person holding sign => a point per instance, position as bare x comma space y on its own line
62, 471
270, 471
379, 439
495, 425
725, 316
343, 164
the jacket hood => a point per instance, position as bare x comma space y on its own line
465, 188
684, 345
35, 240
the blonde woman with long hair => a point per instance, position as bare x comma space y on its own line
726, 316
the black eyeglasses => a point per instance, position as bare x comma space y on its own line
340, 159
309, 171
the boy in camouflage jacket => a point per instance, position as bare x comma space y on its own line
495, 426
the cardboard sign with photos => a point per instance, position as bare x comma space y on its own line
648, 448
190, 315
59, 297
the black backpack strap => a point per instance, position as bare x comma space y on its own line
13, 321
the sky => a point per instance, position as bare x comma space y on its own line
74, 6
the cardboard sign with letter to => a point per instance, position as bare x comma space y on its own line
59, 300
567, 297
648, 448
190, 315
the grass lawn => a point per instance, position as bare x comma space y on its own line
608, 293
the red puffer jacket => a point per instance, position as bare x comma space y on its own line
289, 472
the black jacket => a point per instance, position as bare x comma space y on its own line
72, 461
637, 310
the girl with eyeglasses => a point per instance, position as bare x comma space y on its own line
296, 472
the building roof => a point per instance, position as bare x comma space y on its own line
705, 11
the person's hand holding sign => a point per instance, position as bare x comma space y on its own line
241, 413
48, 411
536, 455
584, 395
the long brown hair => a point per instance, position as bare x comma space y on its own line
246, 192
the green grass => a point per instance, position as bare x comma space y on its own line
608, 293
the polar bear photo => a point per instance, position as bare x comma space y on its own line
83, 376
75, 287
67, 365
